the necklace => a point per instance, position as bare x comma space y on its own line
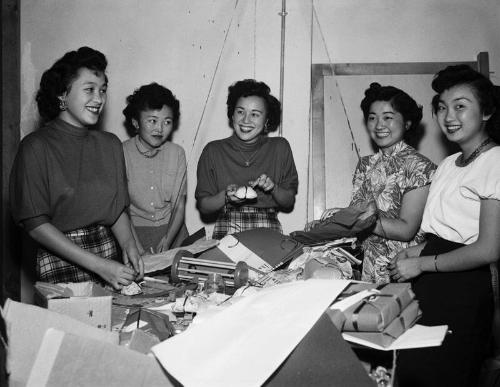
146, 153
249, 161
460, 162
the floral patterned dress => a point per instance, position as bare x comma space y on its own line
385, 178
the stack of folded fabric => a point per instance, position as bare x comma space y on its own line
383, 316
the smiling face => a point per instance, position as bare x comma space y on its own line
385, 125
154, 126
85, 98
249, 118
460, 116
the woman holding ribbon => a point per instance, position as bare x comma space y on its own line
68, 186
245, 179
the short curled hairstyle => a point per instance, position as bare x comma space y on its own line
58, 79
487, 94
150, 97
251, 87
399, 100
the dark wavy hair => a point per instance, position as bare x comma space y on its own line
487, 94
58, 79
400, 101
251, 87
150, 97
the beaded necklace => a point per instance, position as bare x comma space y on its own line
460, 162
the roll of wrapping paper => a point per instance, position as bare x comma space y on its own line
396, 328
374, 313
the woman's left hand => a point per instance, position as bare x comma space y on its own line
132, 257
264, 182
405, 268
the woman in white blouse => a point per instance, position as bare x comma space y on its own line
450, 272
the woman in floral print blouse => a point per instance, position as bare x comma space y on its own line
394, 181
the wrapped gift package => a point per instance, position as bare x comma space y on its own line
396, 328
375, 313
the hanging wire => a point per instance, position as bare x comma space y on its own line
354, 144
309, 139
254, 37
336, 83
191, 152
213, 76
283, 14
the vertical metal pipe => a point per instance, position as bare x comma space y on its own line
283, 14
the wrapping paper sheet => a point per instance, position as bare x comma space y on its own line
418, 336
245, 343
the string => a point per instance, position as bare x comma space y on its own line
191, 152
254, 37
354, 144
213, 76
309, 139
336, 83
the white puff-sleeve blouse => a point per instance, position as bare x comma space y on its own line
453, 204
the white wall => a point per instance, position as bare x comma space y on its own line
177, 43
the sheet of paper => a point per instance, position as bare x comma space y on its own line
160, 261
237, 251
245, 343
418, 336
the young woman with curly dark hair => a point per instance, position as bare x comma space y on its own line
248, 158
68, 185
156, 168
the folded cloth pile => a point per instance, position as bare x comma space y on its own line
347, 222
383, 316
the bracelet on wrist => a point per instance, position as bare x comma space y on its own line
435, 263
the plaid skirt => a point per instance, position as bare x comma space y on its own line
96, 239
237, 219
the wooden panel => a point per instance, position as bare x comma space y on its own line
318, 137
394, 68
9, 138
412, 68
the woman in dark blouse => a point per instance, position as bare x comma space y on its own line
68, 185
248, 158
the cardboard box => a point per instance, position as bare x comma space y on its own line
66, 359
26, 326
375, 313
84, 301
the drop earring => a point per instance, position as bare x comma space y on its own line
62, 105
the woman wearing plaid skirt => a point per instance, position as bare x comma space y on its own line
68, 186
245, 179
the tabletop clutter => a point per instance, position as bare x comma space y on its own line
203, 292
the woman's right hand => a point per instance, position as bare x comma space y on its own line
117, 274
328, 212
409, 252
231, 194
